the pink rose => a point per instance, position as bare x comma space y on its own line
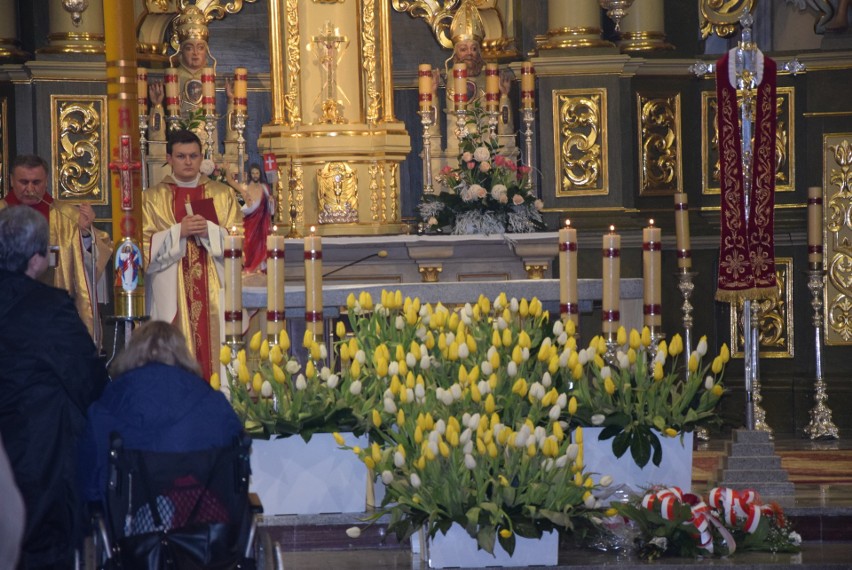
503, 199
524, 169
481, 193
500, 160
466, 157
484, 166
517, 199
471, 165
539, 205
446, 170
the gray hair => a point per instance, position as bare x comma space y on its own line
23, 233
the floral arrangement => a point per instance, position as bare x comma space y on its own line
467, 426
636, 398
487, 193
275, 395
671, 522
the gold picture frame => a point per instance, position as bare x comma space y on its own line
785, 139
658, 117
580, 142
80, 148
837, 235
775, 318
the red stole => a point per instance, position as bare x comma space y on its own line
194, 267
42, 207
747, 253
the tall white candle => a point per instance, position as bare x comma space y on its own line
275, 312
233, 285
313, 283
568, 307
652, 275
611, 302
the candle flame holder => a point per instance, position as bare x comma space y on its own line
173, 122
461, 124
143, 148
427, 119
294, 210
758, 414
821, 425
492, 123
611, 348
529, 118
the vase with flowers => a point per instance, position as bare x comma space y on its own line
487, 192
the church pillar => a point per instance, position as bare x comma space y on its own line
277, 68
84, 36
573, 24
643, 29
9, 46
123, 113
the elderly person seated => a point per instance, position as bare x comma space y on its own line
156, 402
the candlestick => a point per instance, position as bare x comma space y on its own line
313, 284
821, 425
652, 276
684, 251
568, 307
611, 281
527, 85
426, 119
142, 90
815, 227
424, 86
233, 302
240, 89
275, 312
529, 118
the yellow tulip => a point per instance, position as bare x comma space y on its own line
492, 382
609, 386
453, 351
418, 435
717, 390
671, 432
635, 339
524, 308
553, 364
471, 344
520, 387
577, 372
475, 394
316, 353
377, 418
524, 340
254, 343
570, 327
443, 449
355, 369
241, 356
340, 329
631, 356
494, 360
264, 350
376, 452
517, 356
257, 382
243, 374
278, 374
225, 355
409, 380
599, 361
421, 465
507, 315
481, 448
578, 435
693, 362
428, 421
621, 336
535, 307
658, 371
395, 385
215, 383
505, 533
350, 301
284, 341
453, 323
368, 461
573, 360
400, 417
275, 354
676, 345
578, 479
338, 438
572, 405
717, 365
490, 406
503, 481
663, 348
310, 370
558, 432
725, 353
506, 338
646, 337
531, 450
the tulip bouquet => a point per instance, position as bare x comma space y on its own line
467, 426
644, 391
275, 395
487, 193
726, 520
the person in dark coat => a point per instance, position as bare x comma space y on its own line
49, 374
156, 402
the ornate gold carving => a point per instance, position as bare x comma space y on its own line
216, 9
837, 176
785, 138
775, 317
368, 60
4, 151
394, 171
299, 191
430, 273
328, 1
292, 100
660, 162
78, 159
438, 14
536, 270
373, 170
580, 141
721, 16
383, 194
157, 6
337, 184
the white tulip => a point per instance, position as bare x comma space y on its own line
390, 406
558, 328
440, 427
484, 387
332, 381
572, 451
606, 481
301, 383
513, 305
708, 383
433, 446
387, 477
502, 324
562, 339
355, 388
583, 356
563, 358
323, 352
450, 336
456, 391
474, 421
562, 400
466, 419
486, 368
525, 354
420, 391
590, 501
466, 436
468, 447
512, 369
398, 460
410, 361
409, 395
464, 351
266, 389
598, 419
491, 350
554, 412
540, 434
292, 367
623, 361
446, 398
469, 461
420, 333
561, 461
353, 532
360, 356
606, 372
425, 362
701, 349
546, 380
415, 481
393, 368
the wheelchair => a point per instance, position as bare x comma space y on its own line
177, 511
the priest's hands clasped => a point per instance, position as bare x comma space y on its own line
193, 225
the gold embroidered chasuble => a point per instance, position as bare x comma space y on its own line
183, 280
73, 271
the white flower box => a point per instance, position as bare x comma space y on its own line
675, 469
457, 549
292, 477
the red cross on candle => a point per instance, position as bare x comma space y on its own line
125, 167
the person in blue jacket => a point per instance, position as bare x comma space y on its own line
156, 402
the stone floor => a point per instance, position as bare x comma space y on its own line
821, 512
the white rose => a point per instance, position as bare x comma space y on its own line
481, 154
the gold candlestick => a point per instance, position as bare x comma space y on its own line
427, 119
